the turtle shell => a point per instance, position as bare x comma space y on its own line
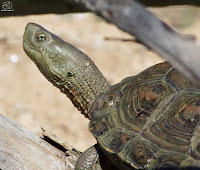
150, 120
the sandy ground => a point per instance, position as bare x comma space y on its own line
29, 99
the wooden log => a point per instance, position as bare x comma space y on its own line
22, 149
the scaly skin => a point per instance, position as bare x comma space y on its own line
66, 67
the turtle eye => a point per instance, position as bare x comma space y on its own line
41, 37
70, 74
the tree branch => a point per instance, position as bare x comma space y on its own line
131, 17
162, 3
31, 7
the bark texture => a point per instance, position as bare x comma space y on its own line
22, 149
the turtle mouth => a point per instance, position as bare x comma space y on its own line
35, 56
30, 51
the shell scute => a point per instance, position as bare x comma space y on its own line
178, 80
174, 129
115, 142
156, 72
163, 159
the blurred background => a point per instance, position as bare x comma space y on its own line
29, 99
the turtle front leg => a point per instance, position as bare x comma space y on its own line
94, 159
89, 159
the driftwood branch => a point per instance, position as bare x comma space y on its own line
22, 149
30, 7
130, 16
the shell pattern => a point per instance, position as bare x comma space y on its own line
149, 121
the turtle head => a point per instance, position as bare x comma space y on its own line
66, 67
48, 53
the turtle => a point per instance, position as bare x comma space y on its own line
149, 120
